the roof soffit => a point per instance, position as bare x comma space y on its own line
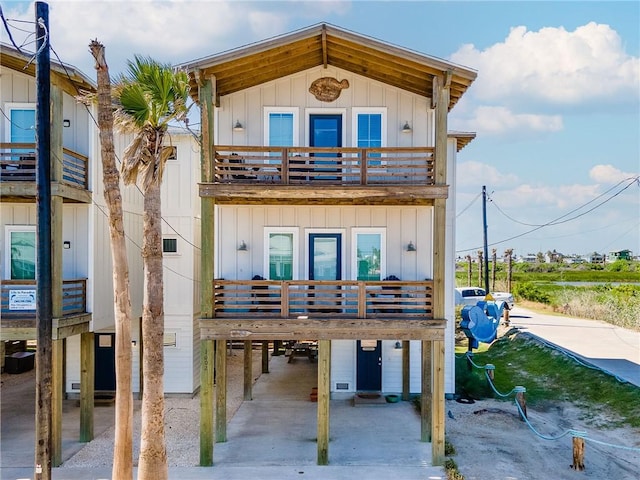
324, 44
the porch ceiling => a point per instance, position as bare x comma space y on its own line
326, 44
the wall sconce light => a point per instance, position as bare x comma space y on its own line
66, 245
238, 127
398, 345
411, 247
406, 128
133, 343
66, 123
242, 247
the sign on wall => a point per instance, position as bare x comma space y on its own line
22, 299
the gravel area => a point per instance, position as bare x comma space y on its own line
182, 423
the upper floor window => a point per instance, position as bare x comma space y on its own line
169, 245
281, 126
369, 128
281, 258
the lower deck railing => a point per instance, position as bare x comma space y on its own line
18, 298
312, 299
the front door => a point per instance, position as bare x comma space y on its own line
369, 369
325, 130
105, 362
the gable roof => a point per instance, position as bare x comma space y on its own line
325, 44
69, 78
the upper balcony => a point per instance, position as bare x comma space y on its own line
387, 175
18, 174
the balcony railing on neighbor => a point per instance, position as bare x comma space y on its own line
339, 166
18, 298
346, 299
18, 164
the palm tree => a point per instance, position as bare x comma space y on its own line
151, 95
123, 437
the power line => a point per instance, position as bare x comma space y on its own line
631, 180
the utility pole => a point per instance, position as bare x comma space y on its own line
44, 282
486, 246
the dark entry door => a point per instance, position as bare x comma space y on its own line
325, 130
105, 361
369, 368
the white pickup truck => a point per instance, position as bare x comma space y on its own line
472, 295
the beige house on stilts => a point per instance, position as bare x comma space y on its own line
327, 213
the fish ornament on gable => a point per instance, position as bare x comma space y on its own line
327, 89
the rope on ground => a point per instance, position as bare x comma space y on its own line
519, 389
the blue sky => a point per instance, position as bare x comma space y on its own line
556, 105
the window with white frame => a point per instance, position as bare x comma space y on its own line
169, 245
21, 252
281, 253
369, 128
20, 128
368, 255
280, 127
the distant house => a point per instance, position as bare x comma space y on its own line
619, 255
596, 257
528, 258
553, 257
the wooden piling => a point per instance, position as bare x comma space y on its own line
324, 384
522, 401
248, 367
265, 356
578, 453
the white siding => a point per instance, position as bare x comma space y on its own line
343, 365
292, 91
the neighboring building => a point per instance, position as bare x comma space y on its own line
528, 258
553, 257
596, 257
328, 211
619, 255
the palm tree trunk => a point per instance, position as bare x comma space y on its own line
123, 441
152, 464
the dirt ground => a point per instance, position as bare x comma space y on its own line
492, 442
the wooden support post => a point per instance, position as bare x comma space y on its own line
207, 95
87, 386
324, 382
56, 403
491, 373
425, 396
265, 356
406, 370
506, 317
578, 453
277, 345
437, 403
248, 370
221, 391
522, 400
206, 402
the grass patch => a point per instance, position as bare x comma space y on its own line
549, 377
451, 470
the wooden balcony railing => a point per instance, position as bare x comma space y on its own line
313, 299
18, 164
338, 166
18, 297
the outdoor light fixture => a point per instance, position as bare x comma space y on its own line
398, 345
242, 247
66, 245
133, 343
66, 123
238, 127
411, 247
406, 128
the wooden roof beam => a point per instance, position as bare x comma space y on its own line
324, 46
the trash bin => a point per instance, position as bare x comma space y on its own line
19, 362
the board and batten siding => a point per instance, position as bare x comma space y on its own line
239, 223
247, 106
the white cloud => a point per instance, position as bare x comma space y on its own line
608, 174
554, 66
471, 173
490, 120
